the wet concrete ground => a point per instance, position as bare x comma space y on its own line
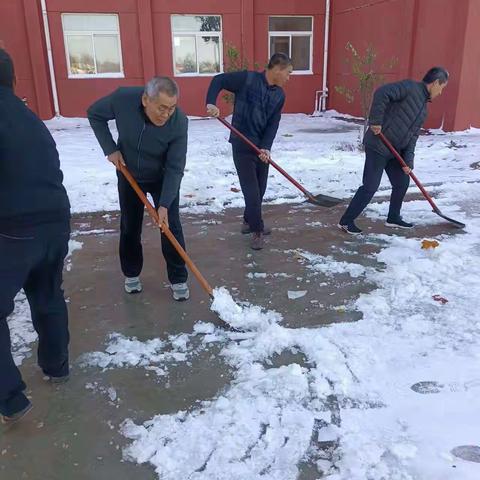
72, 432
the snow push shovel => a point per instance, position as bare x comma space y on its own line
456, 223
320, 199
166, 231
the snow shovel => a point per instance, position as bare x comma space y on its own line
166, 231
320, 200
456, 223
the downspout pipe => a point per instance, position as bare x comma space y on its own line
323, 106
48, 42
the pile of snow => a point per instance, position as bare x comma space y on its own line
122, 351
271, 419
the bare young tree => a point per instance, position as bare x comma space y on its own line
367, 75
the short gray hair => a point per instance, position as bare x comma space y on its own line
159, 85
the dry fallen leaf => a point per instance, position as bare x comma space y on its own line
235, 189
440, 299
427, 244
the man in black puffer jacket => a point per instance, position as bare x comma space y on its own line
259, 99
398, 111
34, 233
152, 143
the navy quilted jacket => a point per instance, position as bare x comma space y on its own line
258, 106
400, 108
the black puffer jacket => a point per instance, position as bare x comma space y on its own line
33, 200
400, 108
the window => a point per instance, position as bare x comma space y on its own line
92, 45
197, 44
292, 36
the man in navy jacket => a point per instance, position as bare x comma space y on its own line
34, 234
259, 99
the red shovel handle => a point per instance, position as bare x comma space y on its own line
165, 230
412, 175
272, 163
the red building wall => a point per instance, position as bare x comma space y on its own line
418, 33
387, 26
301, 88
75, 95
193, 89
21, 33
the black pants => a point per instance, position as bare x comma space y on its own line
131, 252
36, 265
253, 176
375, 164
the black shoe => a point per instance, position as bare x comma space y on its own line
257, 241
398, 224
350, 228
246, 229
9, 419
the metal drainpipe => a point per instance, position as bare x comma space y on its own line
325, 57
50, 58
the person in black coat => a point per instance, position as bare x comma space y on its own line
398, 111
34, 234
259, 99
152, 143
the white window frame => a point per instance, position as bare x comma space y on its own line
91, 34
196, 35
291, 34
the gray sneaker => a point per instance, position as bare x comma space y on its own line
180, 292
133, 285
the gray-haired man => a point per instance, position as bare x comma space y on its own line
152, 143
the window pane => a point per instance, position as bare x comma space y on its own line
80, 52
107, 53
196, 23
301, 52
280, 45
184, 55
90, 23
208, 54
290, 24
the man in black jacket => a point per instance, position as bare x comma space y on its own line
398, 111
259, 99
152, 143
34, 234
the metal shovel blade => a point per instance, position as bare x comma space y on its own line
455, 223
323, 200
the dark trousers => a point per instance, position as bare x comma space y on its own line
375, 164
36, 265
253, 176
131, 252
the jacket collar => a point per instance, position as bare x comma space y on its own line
426, 92
264, 78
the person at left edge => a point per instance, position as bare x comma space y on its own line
34, 234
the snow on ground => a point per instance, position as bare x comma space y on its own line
154, 354
320, 152
271, 419
387, 397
